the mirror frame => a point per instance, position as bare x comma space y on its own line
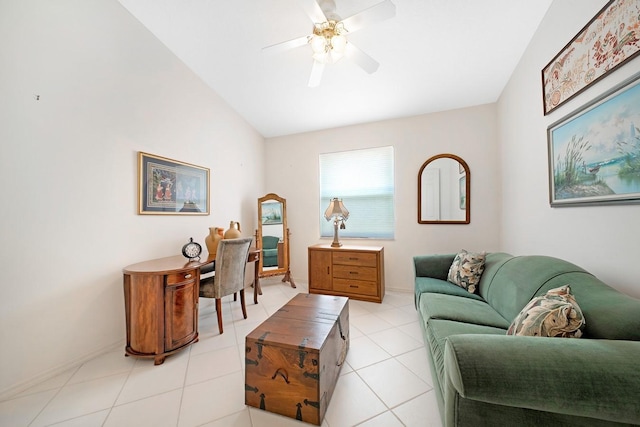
467, 172
285, 239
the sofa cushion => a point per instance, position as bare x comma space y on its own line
608, 313
435, 266
465, 310
466, 270
521, 278
429, 285
554, 314
436, 332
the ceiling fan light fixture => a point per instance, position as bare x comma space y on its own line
328, 39
321, 57
338, 43
318, 45
327, 42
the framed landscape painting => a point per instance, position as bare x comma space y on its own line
271, 213
171, 187
594, 153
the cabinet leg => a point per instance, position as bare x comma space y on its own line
158, 360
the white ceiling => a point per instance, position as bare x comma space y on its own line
434, 55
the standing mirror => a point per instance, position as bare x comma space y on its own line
444, 188
272, 237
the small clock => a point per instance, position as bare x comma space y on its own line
192, 250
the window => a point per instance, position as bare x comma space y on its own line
363, 179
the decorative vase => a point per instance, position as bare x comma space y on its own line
234, 231
212, 240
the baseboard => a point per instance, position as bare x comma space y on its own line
399, 290
44, 376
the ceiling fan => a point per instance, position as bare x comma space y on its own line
328, 40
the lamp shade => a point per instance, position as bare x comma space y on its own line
336, 210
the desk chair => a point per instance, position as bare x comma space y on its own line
229, 278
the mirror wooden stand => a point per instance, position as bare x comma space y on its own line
444, 191
272, 237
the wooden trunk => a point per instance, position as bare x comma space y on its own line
293, 359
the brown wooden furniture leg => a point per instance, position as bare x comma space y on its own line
244, 308
256, 282
219, 313
287, 278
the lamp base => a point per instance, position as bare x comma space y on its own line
336, 243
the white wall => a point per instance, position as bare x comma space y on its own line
68, 222
601, 239
292, 172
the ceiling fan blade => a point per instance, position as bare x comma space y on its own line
376, 13
316, 74
313, 10
363, 60
290, 44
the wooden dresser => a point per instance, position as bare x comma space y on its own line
353, 271
161, 306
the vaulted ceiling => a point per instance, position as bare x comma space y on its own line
434, 55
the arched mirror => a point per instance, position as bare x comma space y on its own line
444, 188
272, 237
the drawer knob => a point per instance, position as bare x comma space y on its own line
353, 272
353, 258
354, 286
187, 276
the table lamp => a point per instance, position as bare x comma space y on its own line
339, 214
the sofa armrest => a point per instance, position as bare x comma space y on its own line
436, 266
582, 377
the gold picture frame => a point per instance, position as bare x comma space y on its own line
171, 187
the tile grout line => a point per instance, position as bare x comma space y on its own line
124, 383
55, 395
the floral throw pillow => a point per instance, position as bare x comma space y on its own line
555, 314
466, 270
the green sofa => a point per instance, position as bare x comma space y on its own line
483, 377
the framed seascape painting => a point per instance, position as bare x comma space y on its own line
271, 213
607, 42
171, 187
594, 152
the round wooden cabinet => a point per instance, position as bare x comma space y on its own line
161, 306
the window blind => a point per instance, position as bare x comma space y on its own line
364, 180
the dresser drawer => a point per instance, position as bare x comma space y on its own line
361, 287
185, 276
355, 272
355, 258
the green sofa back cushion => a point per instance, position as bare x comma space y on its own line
509, 283
608, 313
518, 279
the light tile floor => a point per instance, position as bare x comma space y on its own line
385, 381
